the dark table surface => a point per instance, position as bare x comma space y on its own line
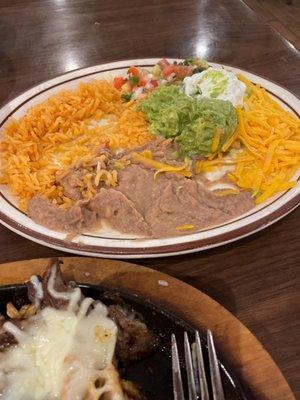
256, 278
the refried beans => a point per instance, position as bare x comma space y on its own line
140, 203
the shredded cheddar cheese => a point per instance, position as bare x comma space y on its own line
226, 192
170, 168
270, 135
216, 140
185, 227
146, 159
268, 142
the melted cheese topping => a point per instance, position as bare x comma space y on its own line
58, 352
39, 293
72, 297
218, 173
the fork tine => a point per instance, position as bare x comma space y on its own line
218, 393
176, 373
189, 368
201, 370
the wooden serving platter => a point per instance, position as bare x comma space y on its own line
245, 355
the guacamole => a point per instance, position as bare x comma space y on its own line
193, 123
167, 110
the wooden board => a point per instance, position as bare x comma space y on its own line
249, 361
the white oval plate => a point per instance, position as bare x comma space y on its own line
114, 245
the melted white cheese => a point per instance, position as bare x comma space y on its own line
221, 186
72, 297
218, 173
39, 293
57, 354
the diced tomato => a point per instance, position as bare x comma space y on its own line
182, 71
134, 71
152, 84
168, 70
119, 82
142, 82
163, 63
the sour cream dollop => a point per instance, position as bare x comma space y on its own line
217, 83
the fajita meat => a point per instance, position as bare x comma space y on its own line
134, 341
48, 294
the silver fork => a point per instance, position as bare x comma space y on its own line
195, 370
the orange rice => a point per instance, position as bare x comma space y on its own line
64, 128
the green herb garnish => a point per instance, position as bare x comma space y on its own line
197, 70
188, 61
126, 96
134, 80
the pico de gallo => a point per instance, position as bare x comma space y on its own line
138, 81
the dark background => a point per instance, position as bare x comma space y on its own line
256, 278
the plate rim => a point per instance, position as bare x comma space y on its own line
241, 351
140, 59
157, 250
